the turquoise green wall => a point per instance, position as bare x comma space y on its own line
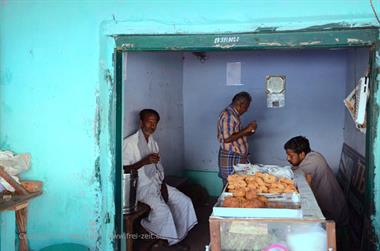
7, 230
376, 155
56, 103
209, 180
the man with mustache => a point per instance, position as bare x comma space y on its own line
324, 185
172, 213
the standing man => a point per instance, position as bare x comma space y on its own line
172, 213
233, 138
325, 187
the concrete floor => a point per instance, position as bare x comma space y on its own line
197, 238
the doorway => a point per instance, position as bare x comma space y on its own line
218, 46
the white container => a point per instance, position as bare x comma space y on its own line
219, 210
310, 238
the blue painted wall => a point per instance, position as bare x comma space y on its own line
57, 104
315, 89
154, 80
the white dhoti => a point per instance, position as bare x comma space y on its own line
171, 221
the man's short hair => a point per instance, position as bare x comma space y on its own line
146, 112
242, 96
298, 144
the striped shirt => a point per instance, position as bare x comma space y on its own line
228, 124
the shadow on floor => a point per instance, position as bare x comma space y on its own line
197, 238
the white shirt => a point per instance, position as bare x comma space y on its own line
136, 148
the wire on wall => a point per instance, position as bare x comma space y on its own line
374, 11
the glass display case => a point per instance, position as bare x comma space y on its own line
251, 234
273, 229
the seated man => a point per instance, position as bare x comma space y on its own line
325, 187
172, 213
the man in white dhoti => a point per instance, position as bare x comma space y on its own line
172, 213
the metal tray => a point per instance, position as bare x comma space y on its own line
285, 210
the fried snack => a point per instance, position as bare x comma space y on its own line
235, 177
260, 181
269, 178
240, 192
250, 194
287, 181
252, 185
262, 189
262, 198
236, 182
254, 203
258, 203
231, 202
248, 204
234, 186
277, 185
287, 190
231, 187
233, 181
274, 205
250, 178
290, 189
241, 183
275, 190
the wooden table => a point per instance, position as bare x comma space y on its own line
129, 221
19, 204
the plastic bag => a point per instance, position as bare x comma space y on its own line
13, 165
278, 171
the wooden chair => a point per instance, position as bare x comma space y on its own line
130, 221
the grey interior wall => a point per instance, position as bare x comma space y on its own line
315, 88
154, 80
357, 64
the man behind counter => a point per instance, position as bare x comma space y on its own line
324, 185
232, 136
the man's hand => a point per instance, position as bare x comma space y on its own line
251, 128
152, 158
244, 160
247, 131
252, 125
164, 192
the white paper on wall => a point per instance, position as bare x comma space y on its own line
233, 74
